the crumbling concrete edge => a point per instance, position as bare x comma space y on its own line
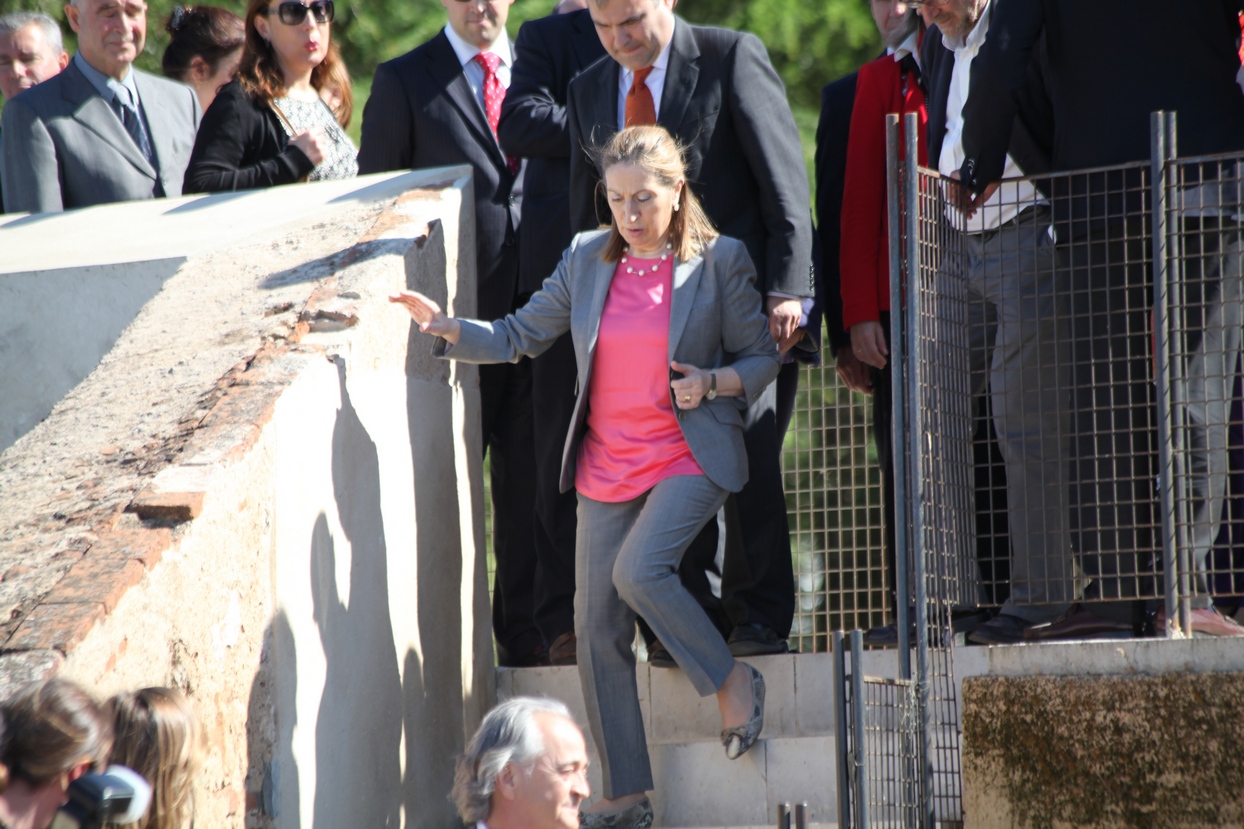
115, 551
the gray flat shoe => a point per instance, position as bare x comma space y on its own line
739, 739
638, 816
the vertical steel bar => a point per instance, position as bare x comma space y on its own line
1159, 154
858, 715
841, 732
783, 816
801, 816
916, 490
898, 423
1175, 278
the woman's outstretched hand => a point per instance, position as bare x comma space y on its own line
428, 314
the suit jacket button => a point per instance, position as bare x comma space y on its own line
513, 199
682, 415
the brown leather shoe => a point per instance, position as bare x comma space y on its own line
564, 650
1205, 622
1076, 623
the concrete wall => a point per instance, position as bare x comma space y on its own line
269, 495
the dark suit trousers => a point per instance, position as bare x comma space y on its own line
553, 378
1114, 438
758, 583
505, 403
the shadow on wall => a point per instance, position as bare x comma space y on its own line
358, 730
366, 706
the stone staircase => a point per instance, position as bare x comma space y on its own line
697, 786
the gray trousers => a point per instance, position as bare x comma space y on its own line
1202, 392
626, 563
1018, 346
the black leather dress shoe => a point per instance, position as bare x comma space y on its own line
1000, 630
659, 657
752, 639
536, 658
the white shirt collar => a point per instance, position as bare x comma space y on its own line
466, 52
910, 46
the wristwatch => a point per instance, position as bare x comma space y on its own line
712, 386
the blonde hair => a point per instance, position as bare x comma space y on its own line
655, 151
158, 736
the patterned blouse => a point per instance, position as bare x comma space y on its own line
341, 159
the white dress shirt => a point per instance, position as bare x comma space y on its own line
474, 72
655, 83
1011, 198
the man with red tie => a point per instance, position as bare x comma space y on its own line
439, 105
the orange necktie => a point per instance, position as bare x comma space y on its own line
640, 110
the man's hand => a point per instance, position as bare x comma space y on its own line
784, 314
965, 202
868, 343
853, 373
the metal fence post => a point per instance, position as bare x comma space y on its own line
841, 729
898, 422
1159, 154
857, 715
911, 203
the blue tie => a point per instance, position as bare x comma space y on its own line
134, 126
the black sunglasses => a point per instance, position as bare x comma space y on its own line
292, 14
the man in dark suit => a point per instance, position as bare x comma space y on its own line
100, 131
717, 93
1186, 62
439, 105
549, 52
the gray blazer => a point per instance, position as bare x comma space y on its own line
62, 146
715, 321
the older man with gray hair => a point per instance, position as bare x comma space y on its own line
525, 768
101, 131
31, 51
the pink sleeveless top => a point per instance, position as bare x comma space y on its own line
633, 440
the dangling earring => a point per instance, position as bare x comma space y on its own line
675, 207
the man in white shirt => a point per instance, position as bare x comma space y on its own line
525, 768
438, 106
1016, 326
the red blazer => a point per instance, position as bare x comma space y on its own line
865, 251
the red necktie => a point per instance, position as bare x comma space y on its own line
640, 110
494, 94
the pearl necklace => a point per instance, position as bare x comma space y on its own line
668, 247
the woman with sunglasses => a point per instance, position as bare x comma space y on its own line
270, 126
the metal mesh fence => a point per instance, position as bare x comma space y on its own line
1204, 321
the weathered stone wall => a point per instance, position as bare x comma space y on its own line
1104, 751
269, 495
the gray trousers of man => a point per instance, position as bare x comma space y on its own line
1018, 346
626, 563
1202, 392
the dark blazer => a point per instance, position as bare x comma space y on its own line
715, 321
837, 101
1032, 135
65, 147
548, 53
1112, 62
728, 107
422, 113
242, 146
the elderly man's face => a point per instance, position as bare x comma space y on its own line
633, 32
26, 59
956, 18
548, 795
895, 20
111, 33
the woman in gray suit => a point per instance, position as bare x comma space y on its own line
671, 345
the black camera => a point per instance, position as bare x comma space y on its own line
119, 795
